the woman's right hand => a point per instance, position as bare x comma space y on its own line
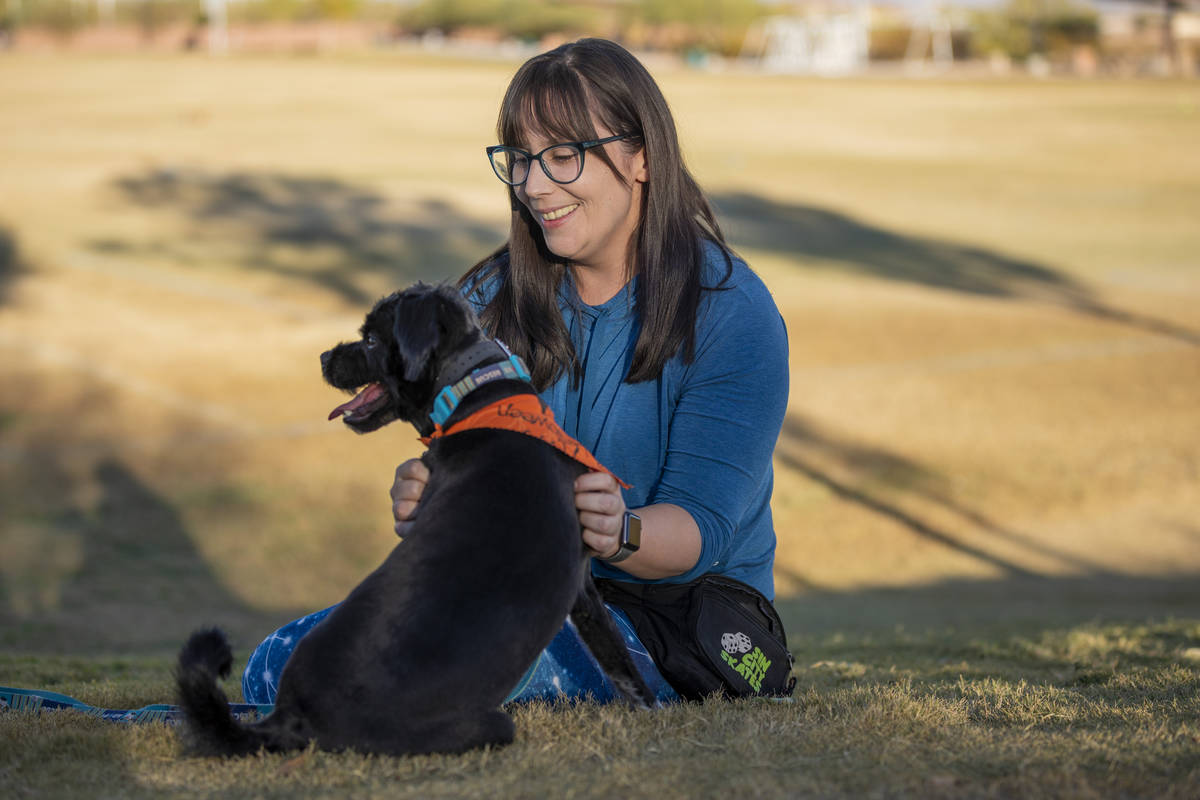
411, 477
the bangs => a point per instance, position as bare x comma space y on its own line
547, 101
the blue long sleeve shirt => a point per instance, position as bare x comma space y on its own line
700, 436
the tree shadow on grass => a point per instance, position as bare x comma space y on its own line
338, 236
873, 478
891, 486
11, 264
1022, 604
95, 559
846, 243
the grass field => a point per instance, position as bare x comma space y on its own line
987, 488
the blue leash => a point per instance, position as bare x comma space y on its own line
36, 701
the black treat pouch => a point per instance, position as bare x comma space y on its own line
714, 634
742, 637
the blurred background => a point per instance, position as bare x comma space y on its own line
1042, 37
980, 222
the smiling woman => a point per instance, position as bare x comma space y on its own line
587, 218
657, 349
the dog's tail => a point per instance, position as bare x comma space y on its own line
210, 727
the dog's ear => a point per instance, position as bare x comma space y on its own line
416, 332
457, 318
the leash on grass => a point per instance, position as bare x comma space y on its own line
34, 701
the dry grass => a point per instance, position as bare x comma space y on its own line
1094, 711
990, 291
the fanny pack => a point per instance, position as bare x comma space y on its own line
714, 634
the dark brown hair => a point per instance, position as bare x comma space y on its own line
560, 95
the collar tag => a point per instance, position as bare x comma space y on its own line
450, 396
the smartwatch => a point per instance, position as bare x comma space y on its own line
631, 538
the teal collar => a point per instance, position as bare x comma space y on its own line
450, 396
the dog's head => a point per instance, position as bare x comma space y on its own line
394, 366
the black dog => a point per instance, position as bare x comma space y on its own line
420, 655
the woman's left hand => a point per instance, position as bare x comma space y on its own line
601, 512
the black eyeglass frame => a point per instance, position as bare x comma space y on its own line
582, 147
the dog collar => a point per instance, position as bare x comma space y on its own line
450, 396
461, 365
527, 414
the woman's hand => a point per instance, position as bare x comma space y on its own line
601, 512
672, 550
411, 477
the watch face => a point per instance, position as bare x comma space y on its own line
631, 536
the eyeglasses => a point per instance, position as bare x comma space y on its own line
562, 163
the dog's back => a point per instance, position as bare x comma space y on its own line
481, 583
420, 655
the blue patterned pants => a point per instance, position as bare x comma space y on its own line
565, 669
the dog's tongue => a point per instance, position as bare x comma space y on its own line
367, 395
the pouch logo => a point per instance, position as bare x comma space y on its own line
735, 643
753, 663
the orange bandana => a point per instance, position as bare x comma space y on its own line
525, 413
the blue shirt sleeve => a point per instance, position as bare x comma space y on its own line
731, 405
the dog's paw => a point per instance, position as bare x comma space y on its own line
635, 694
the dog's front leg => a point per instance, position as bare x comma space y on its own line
601, 636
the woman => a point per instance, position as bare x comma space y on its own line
656, 348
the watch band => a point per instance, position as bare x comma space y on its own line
631, 539
622, 554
